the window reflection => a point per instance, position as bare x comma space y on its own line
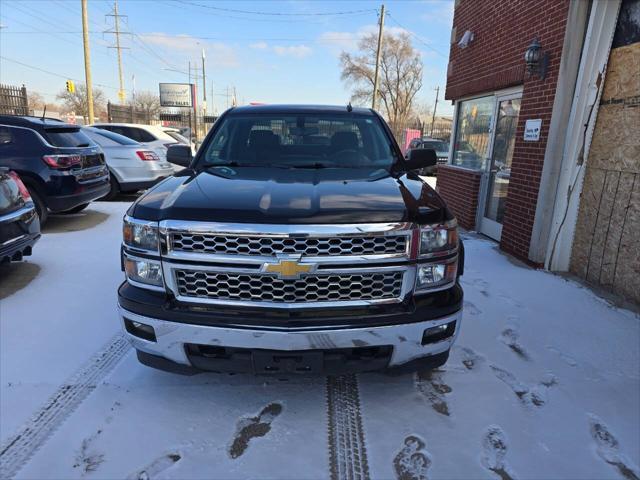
471, 146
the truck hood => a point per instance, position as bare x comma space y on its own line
303, 196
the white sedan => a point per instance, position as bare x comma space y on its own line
133, 166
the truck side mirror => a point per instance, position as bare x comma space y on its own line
179, 154
418, 158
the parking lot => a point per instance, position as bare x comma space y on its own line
543, 383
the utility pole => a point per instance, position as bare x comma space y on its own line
204, 88
375, 78
435, 107
87, 59
213, 100
116, 30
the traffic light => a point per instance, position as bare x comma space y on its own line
71, 87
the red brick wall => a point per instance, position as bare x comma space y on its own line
503, 29
494, 60
459, 187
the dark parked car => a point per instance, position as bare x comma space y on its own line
277, 252
61, 167
19, 225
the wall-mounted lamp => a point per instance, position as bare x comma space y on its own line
537, 61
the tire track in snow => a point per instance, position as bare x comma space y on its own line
347, 449
18, 449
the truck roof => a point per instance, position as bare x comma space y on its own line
297, 109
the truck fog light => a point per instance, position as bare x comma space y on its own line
141, 330
439, 333
143, 271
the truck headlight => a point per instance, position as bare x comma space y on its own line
438, 240
142, 270
141, 234
436, 275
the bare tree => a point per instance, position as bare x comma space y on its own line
148, 103
400, 76
422, 112
77, 101
38, 103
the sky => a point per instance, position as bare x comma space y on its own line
269, 51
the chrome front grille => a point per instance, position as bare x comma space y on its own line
333, 287
293, 245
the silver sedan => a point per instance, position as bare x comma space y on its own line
133, 165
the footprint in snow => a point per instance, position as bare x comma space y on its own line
510, 337
253, 427
413, 461
510, 300
494, 445
479, 284
89, 459
608, 449
431, 384
471, 309
568, 359
159, 465
470, 359
534, 396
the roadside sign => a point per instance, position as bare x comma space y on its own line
532, 130
176, 95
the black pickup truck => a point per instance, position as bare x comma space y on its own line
298, 240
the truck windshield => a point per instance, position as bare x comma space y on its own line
300, 141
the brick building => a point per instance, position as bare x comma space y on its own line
522, 133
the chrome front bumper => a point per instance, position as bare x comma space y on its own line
406, 339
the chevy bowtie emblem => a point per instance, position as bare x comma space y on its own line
288, 268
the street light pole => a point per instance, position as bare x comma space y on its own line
375, 77
87, 59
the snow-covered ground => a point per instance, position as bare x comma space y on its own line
544, 382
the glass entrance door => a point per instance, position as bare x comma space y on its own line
498, 170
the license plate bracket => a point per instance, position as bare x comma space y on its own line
277, 362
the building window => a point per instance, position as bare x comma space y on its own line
473, 133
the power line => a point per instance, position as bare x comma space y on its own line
421, 40
66, 77
58, 23
196, 37
289, 14
211, 10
